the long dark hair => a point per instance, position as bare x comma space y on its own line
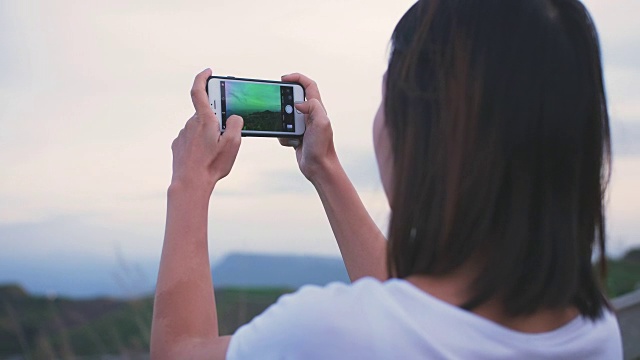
500, 137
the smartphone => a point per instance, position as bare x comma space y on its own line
266, 106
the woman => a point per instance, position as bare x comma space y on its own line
492, 142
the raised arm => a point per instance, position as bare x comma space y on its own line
362, 245
185, 322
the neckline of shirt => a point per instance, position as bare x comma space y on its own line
560, 334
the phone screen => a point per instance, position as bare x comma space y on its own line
263, 106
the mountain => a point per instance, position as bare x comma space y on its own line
87, 277
286, 271
79, 280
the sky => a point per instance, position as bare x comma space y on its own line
93, 93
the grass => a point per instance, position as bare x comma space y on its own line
623, 276
36, 327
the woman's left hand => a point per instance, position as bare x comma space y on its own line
201, 154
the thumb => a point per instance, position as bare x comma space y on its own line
234, 126
229, 145
232, 134
312, 108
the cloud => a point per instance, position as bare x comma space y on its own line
623, 204
625, 137
92, 94
359, 164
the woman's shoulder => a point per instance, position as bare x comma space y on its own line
315, 304
339, 306
307, 320
341, 290
373, 319
334, 292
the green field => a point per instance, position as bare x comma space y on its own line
41, 328
263, 121
624, 274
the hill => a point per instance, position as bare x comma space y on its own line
259, 270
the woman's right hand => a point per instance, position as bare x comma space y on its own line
362, 245
315, 152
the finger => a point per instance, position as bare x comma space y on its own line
233, 130
311, 108
178, 139
216, 124
299, 153
230, 143
199, 94
210, 121
289, 142
310, 87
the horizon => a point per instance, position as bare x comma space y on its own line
132, 280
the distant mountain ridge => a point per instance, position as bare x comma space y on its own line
134, 279
250, 270
290, 271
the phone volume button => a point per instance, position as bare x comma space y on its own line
231, 77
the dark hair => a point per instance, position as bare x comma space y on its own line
500, 137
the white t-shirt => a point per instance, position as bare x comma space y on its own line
395, 320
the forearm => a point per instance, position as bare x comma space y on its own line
362, 245
184, 308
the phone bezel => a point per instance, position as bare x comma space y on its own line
298, 117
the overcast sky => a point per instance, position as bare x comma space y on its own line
92, 94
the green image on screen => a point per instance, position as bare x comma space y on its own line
258, 104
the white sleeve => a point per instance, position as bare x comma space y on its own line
301, 325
